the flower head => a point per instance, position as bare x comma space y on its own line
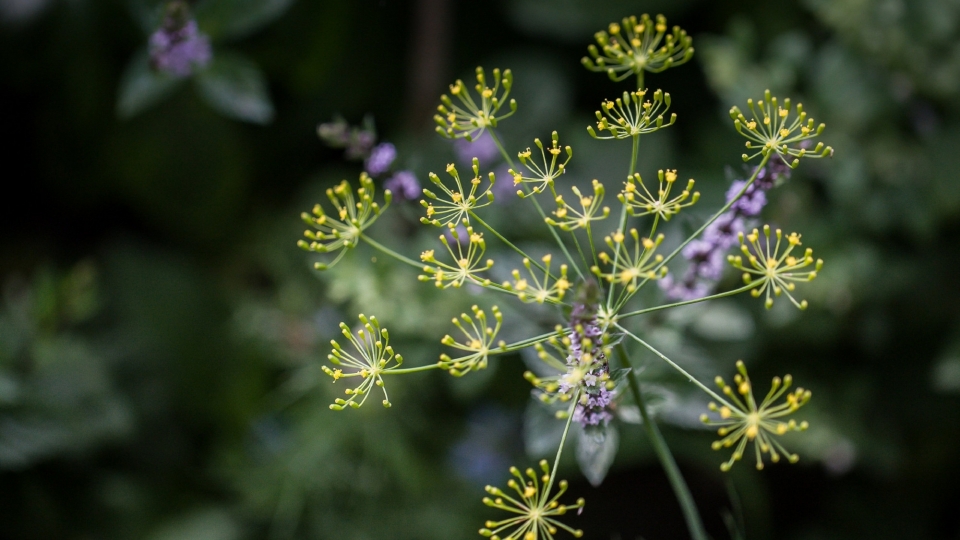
569, 218
632, 115
771, 129
467, 261
459, 202
541, 177
478, 342
380, 159
353, 216
374, 358
770, 271
178, 47
743, 420
534, 509
637, 46
628, 269
468, 119
535, 290
643, 203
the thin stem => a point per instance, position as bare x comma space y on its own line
507, 242
633, 155
687, 302
522, 344
576, 242
409, 370
673, 364
503, 151
623, 214
563, 440
640, 80
390, 252
680, 489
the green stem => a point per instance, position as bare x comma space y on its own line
503, 151
507, 242
633, 155
686, 302
563, 440
673, 364
623, 216
409, 370
640, 80
679, 485
390, 252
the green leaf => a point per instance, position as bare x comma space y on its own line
141, 87
596, 448
235, 87
233, 19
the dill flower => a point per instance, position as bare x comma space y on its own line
374, 358
642, 204
632, 115
467, 261
468, 119
456, 207
535, 290
569, 218
478, 342
628, 269
354, 215
638, 46
772, 130
770, 271
743, 421
541, 177
535, 509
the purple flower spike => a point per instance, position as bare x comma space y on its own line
404, 186
483, 148
179, 49
381, 157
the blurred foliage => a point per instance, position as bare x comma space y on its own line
161, 334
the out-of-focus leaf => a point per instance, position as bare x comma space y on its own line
596, 449
236, 88
211, 524
141, 87
541, 429
232, 19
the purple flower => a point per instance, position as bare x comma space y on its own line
723, 231
707, 258
483, 148
404, 186
380, 159
751, 202
361, 141
686, 289
179, 48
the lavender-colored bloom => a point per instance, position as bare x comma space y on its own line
751, 202
483, 148
380, 159
404, 186
685, 289
179, 48
596, 410
706, 257
723, 232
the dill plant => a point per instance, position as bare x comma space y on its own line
594, 288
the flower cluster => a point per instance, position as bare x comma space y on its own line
580, 374
178, 47
468, 119
637, 46
534, 509
743, 420
374, 357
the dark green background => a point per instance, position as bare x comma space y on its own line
161, 333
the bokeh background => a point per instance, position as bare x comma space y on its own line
161, 334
